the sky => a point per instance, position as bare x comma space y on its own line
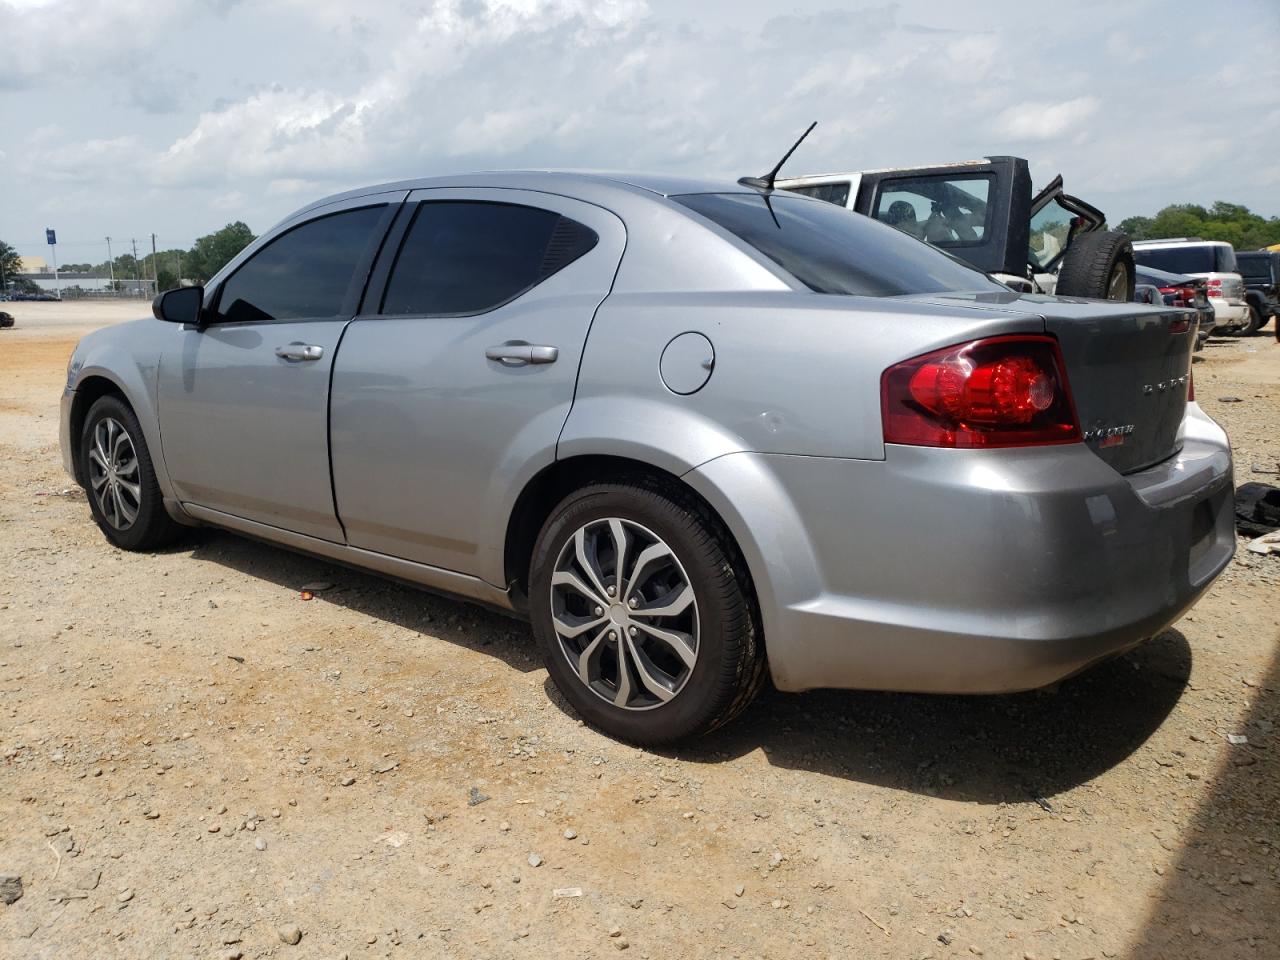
122, 118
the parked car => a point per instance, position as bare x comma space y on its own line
983, 212
1260, 270
1178, 290
6, 319
1147, 293
1213, 260
694, 431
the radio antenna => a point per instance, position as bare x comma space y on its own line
766, 182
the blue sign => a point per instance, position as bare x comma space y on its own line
50, 237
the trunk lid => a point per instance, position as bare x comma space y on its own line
1129, 367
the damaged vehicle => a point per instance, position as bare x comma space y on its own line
983, 211
698, 433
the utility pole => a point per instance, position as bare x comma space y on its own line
178, 254
52, 237
137, 272
155, 269
111, 266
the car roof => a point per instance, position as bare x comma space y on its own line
1164, 276
588, 184
1181, 242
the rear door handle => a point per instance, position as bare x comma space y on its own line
297, 351
518, 353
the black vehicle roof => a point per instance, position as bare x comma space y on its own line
1162, 277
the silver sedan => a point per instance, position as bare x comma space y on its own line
699, 433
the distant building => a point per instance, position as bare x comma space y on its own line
32, 265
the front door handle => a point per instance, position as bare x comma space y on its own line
297, 350
518, 353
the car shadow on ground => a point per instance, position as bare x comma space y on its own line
1010, 748
404, 605
987, 749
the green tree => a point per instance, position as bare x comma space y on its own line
9, 263
1232, 222
213, 251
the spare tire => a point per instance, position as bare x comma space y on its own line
1098, 265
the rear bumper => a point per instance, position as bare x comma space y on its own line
1229, 312
950, 571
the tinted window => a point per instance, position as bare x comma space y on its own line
837, 193
1256, 266
831, 250
303, 273
948, 212
1192, 258
464, 257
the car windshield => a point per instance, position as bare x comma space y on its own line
831, 250
1192, 258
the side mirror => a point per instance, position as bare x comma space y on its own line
181, 305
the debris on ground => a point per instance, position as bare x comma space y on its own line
1257, 508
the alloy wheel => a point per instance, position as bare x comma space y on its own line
1118, 285
624, 613
114, 477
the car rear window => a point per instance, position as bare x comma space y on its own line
831, 250
1191, 258
1254, 266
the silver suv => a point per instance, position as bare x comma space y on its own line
1212, 260
697, 432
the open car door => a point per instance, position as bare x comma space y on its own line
978, 211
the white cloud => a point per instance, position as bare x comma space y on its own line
1035, 120
270, 104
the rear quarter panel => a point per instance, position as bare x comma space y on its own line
795, 373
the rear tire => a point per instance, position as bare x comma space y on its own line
1098, 265
120, 479
656, 678
1253, 324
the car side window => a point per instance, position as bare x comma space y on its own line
946, 212
303, 273
837, 193
463, 257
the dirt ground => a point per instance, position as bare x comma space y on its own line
176, 732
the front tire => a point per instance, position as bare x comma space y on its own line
644, 613
120, 479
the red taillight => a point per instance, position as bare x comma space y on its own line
998, 392
1215, 282
1179, 296
1214, 292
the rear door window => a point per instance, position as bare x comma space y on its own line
307, 272
463, 257
947, 211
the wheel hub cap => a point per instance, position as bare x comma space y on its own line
113, 473
625, 614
